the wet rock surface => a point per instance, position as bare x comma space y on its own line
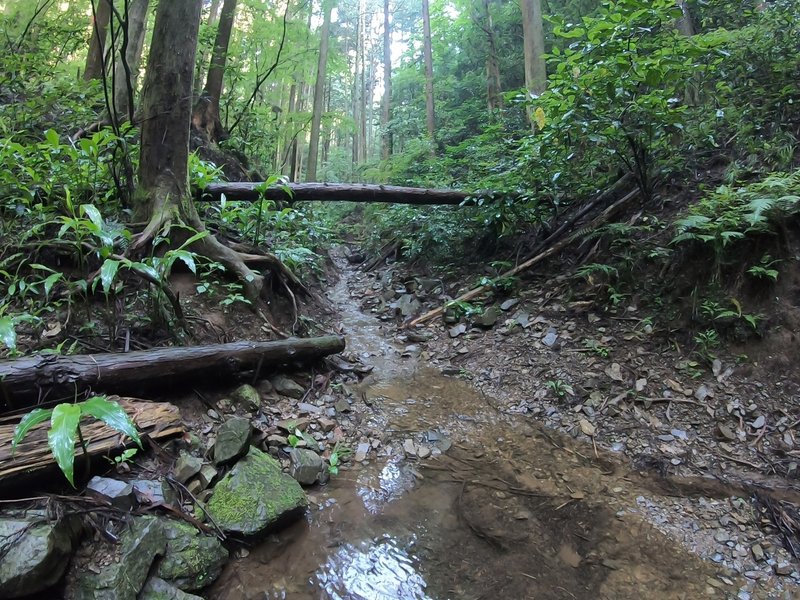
191, 560
255, 496
34, 552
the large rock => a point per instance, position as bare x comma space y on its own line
307, 467
117, 493
124, 579
158, 589
255, 496
34, 556
192, 560
233, 438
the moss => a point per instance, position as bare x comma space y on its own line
192, 560
255, 495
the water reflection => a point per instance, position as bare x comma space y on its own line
377, 570
394, 479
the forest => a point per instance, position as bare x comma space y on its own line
386, 299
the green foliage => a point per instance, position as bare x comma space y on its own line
728, 216
65, 428
560, 388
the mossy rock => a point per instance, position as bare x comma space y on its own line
256, 497
192, 560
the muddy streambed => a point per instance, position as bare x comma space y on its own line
501, 508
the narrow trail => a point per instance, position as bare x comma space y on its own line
497, 507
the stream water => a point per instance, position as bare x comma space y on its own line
502, 509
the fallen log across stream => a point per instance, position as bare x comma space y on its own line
26, 380
331, 192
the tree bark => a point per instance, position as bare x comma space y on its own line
126, 74
316, 120
685, 24
206, 112
386, 109
163, 197
200, 71
331, 192
493, 85
430, 120
97, 42
533, 34
24, 379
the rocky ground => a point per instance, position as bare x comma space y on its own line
704, 454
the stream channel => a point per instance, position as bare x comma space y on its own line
503, 508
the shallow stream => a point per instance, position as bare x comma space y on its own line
501, 508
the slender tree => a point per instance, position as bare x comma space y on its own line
97, 42
386, 108
206, 112
493, 86
202, 60
428, 57
126, 65
319, 100
533, 36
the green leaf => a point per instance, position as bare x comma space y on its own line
28, 422
90, 210
52, 137
8, 334
108, 271
61, 437
113, 415
50, 282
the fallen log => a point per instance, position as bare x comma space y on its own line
33, 459
331, 192
26, 379
557, 246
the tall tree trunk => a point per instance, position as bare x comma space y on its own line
355, 103
163, 197
429, 108
206, 112
126, 74
685, 24
386, 109
316, 120
202, 60
533, 34
493, 85
97, 42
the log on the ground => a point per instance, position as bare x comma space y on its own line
33, 459
33, 377
332, 192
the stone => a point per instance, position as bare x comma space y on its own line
614, 371
306, 466
725, 432
758, 552
783, 569
192, 560
255, 497
118, 493
277, 440
408, 305
139, 546
187, 467
287, 386
409, 447
149, 491
342, 405
586, 427
158, 589
35, 555
326, 424
456, 331
305, 407
290, 425
487, 318
207, 475
509, 304
423, 451
759, 422
233, 439
362, 450
550, 338
247, 397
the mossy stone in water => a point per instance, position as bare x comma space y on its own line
256, 497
